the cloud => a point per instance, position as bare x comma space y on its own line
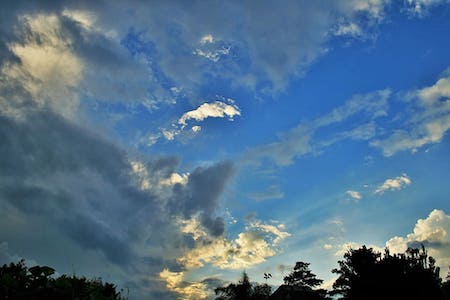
394, 184
300, 140
186, 290
421, 7
96, 203
272, 192
251, 247
427, 124
215, 109
354, 194
433, 232
49, 70
137, 55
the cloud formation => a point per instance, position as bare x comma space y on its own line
300, 140
427, 124
215, 109
354, 194
432, 232
251, 247
394, 184
51, 166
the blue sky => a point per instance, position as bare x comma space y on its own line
168, 146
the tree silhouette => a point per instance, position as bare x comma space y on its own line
365, 274
243, 290
19, 282
302, 276
300, 284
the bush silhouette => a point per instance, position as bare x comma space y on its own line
19, 282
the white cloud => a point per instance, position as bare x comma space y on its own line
217, 109
300, 141
147, 181
213, 55
348, 29
434, 233
192, 227
354, 194
175, 281
251, 247
49, 70
420, 7
427, 124
394, 184
327, 246
207, 39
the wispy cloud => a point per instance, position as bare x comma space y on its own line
272, 192
354, 194
426, 124
301, 140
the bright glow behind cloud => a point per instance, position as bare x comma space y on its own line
433, 232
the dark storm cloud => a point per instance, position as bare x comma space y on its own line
82, 185
201, 194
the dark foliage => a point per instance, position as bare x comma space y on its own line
305, 282
366, 274
302, 276
243, 290
19, 282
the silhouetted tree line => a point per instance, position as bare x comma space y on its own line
18, 282
363, 274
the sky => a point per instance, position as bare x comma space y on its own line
167, 146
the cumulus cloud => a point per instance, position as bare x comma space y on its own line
217, 109
433, 233
186, 290
51, 166
49, 70
394, 184
251, 247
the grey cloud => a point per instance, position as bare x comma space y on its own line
92, 235
201, 194
263, 55
62, 176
